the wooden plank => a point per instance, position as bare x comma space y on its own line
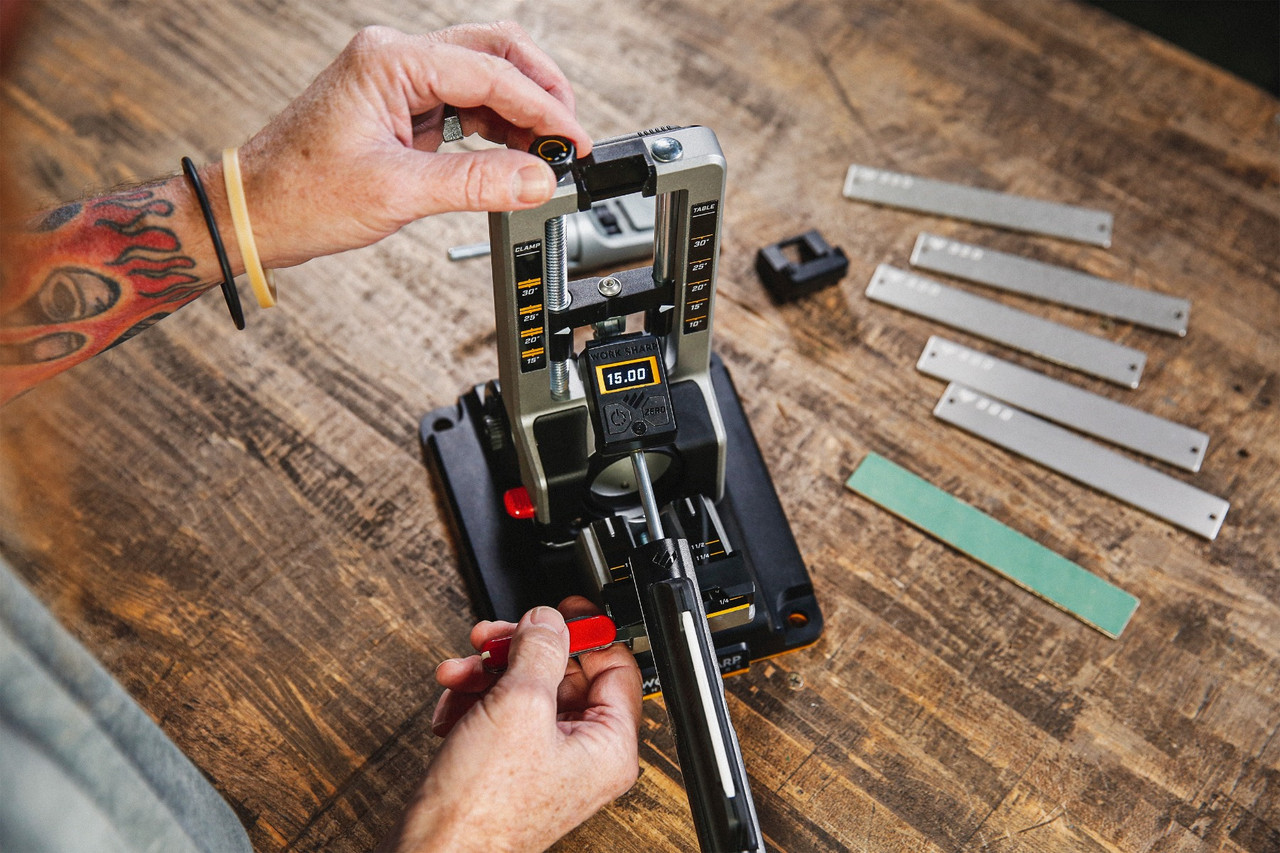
239, 524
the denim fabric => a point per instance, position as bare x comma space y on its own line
82, 767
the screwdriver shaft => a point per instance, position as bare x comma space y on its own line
645, 486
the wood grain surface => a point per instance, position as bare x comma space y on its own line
239, 524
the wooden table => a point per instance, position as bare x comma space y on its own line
239, 524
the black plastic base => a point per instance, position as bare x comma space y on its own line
509, 569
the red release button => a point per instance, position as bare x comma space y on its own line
517, 503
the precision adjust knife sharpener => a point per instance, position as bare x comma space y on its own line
612, 457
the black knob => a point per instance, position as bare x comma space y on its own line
558, 152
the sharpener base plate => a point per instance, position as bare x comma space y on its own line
508, 569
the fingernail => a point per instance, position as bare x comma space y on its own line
547, 616
533, 183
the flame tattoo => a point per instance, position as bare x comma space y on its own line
87, 277
145, 251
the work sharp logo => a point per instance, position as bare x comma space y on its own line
665, 559
621, 350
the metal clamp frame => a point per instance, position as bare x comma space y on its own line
685, 169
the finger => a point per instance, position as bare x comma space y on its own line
486, 630
492, 127
537, 660
451, 708
478, 79
615, 691
476, 120
571, 697
497, 179
574, 689
466, 675
577, 606
509, 41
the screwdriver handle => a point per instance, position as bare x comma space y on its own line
715, 777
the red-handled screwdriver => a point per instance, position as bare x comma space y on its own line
586, 634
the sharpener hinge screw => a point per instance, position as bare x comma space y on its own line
666, 149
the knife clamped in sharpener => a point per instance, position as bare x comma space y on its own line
622, 467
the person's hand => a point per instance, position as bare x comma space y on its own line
350, 161
530, 753
353, 158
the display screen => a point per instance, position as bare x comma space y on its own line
628, 374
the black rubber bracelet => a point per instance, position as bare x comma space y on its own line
229, 291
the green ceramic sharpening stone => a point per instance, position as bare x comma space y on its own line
1005, 551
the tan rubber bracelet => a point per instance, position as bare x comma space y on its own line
262, 281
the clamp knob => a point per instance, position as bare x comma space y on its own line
558, 152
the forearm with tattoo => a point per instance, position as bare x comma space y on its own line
91, 274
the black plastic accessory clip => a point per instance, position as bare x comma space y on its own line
813, 266
229, 292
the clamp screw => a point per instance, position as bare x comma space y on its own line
667, 149
609, 286
559, 152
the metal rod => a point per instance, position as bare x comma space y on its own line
645, 487
556, 281
666, 237
470, 250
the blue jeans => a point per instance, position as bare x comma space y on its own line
82, 767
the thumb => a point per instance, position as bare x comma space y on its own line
539, 653
497, 179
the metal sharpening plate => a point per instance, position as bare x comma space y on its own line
1083, 461
1009, 326
1052, 283
988, 207
1002, 549
1065, 404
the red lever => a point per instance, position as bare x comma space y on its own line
517, 503
586, 634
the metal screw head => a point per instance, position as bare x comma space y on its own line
451, 130
666, 149
609, 286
